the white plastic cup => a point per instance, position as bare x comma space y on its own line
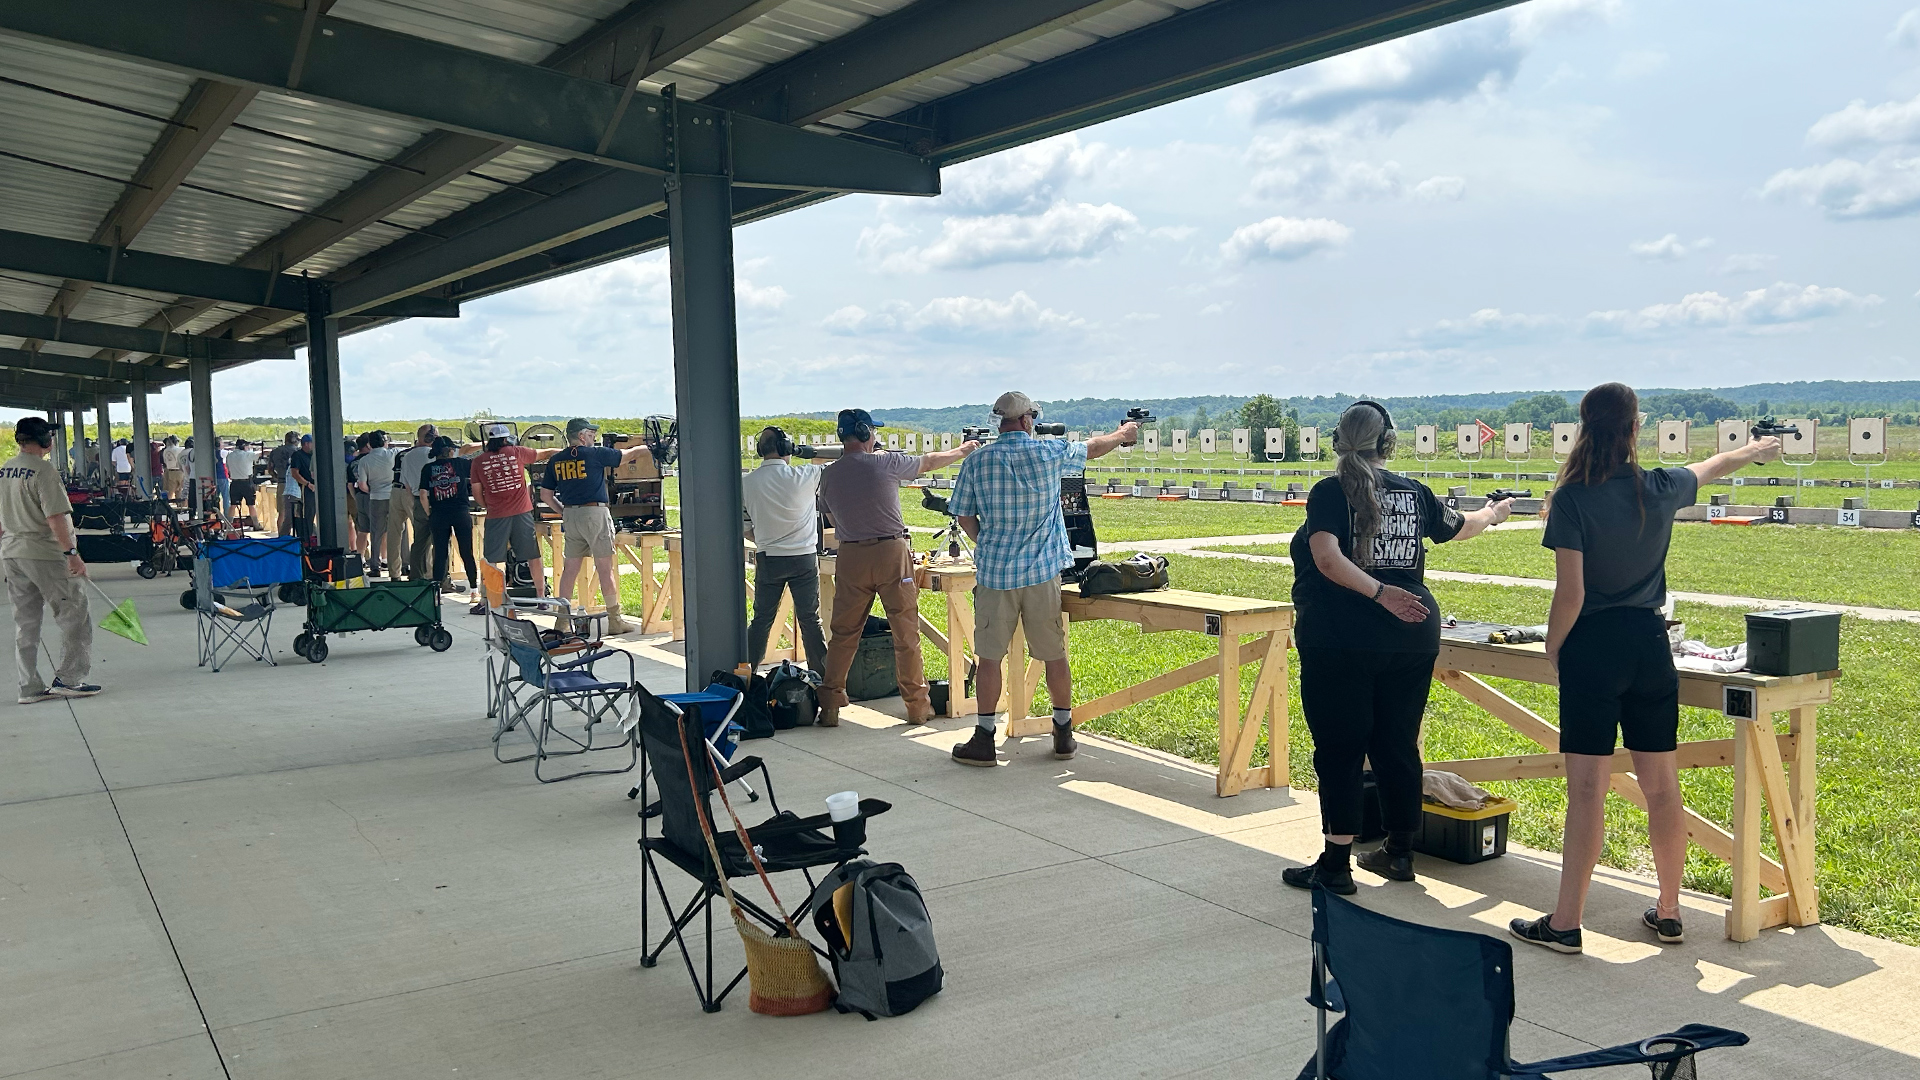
843, 805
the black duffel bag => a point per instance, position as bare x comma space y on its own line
1139, 573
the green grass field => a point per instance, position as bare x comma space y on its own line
1871, 567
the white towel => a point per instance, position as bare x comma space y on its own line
1450, 789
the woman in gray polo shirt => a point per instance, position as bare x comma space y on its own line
1609, 524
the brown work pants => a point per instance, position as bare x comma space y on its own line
863, 570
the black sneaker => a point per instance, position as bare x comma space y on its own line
1390, 865
1540, 932
1667, 930
977, 750
1336, 880
82, 689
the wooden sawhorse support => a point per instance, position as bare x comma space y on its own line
1758, 752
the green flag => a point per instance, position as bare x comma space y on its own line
123, 619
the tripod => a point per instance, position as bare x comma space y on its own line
955, 537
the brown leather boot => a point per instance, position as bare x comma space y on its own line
829, 716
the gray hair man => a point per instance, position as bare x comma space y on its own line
575, 484
783, 518
874, 558
1007, 498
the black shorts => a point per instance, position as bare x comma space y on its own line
1617, 677
240, 491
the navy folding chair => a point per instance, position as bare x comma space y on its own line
1426, 1001
716, 707
543, 676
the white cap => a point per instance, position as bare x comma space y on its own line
1014, 404
499, 431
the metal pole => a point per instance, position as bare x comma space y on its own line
323, 382
76, 453
58, 418
142, 449
103, 445
206, 445
706, 381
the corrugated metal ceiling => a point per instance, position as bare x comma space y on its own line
253, 185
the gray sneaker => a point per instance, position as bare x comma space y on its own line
33, 699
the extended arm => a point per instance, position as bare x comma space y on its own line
1569, 593
940, 459
1475, 522
1102, 445
1732, 461
1337, 568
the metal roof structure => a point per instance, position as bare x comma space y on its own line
188, 185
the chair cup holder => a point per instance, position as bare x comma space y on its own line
851, 833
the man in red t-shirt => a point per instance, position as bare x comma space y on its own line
500, 485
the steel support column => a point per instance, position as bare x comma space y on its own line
329, 507
142, 449
206, 445
706, 381
58, 418
77, 453
103, 441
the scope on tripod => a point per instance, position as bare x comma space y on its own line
935, 503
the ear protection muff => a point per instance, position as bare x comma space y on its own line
1388, 436
35, 430
783, 443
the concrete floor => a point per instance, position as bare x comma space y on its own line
308, 872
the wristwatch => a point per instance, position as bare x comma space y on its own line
70, 552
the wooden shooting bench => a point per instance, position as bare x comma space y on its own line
1226, 618
637, 548
1778, 767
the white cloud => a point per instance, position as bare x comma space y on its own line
1173, 232
956, 317
1907, 30
1884, 186
1668, 248
1439, 189
1859, 123
1021, 180
1446, 64
1062, 231
1284, 238
1778, 304
1218, 308
1746, 263
751, 299
1485, 324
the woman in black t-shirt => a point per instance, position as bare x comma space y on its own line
1609, 526
443, 491
1368, 632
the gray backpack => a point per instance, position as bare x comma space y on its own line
890, 966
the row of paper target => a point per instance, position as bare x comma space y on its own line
1675, 440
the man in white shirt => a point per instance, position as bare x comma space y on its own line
173, 462
783, 521
373, 477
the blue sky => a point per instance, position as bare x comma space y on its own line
1670, 193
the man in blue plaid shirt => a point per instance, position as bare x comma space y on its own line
1007, 498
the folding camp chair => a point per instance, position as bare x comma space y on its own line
1438, 1002
567, 629
785, 841
716, 706
235, 620
544, 674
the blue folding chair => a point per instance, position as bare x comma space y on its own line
1409, 997
716, 706
544, 676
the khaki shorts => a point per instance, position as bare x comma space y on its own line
1036, 606
589, 531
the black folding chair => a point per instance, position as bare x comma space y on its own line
786, 842
1409, 995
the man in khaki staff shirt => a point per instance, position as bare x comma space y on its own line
43, 567
875, 558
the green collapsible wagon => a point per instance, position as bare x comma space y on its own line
378, 606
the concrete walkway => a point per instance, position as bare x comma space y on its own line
315, 872
1197, 547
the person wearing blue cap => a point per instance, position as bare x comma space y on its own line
875, 558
